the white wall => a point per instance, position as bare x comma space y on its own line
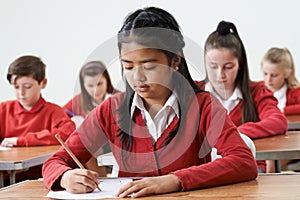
67, 33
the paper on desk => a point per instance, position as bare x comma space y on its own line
2, 148
109, 187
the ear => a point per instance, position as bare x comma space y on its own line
175, 62
44, 83
287, 73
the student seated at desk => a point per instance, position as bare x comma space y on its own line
279, 76
251, 106
30, 120
163, 127
96, 86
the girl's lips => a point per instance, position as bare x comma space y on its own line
142, 88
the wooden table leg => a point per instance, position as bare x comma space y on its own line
12, 177
277, 166
1, 179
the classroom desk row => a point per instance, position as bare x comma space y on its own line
293, 122
280, 147
19, 158
268, 186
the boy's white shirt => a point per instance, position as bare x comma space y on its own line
280, 95
162, 119
231, 102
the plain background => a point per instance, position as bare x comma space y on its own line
67, 33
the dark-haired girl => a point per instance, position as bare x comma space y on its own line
250, 105
162, 127
95, 86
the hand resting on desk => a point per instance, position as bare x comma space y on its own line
150, 185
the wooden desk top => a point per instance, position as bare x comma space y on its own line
27, 156
276, 186
279, 147
293, 122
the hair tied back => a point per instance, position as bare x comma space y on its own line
224, 28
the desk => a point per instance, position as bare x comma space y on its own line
269, 186
23, 157
279, 147
293, 122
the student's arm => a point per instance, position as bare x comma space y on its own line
56, 122
68, 108
83, 142
292, 102
271, 119
237, 163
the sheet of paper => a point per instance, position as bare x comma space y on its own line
2, 148
109, 187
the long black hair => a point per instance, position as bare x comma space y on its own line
154, 28
226, 36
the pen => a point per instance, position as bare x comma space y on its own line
70, 113
72, 155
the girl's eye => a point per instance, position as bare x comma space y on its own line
228, 67
149, 67
27, 87
213, 67
128, 67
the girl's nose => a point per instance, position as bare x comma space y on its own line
139, 74
221, 73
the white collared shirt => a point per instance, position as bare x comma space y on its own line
280, 95
162, 119
229, 103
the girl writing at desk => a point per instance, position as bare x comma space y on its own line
251, 106
279, 76
162, 127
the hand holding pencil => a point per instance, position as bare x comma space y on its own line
89, 174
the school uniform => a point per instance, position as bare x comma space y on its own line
288, 100
74, 107
36, 126
187, 155
271, 120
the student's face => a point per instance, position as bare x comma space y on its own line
222, 68
274, 75
96, 86
147, 72
27, 90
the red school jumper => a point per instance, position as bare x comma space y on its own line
74, 108
292, 106
271, 120
36, 126
187, 156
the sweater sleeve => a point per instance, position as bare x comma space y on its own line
271, 119
60, 124
292, 102
237, 163
68, 107
84, 142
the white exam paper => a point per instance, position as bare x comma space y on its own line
109, 187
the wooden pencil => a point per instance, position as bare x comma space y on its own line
72, 155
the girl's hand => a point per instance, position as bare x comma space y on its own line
151, 185
9, 142
79, 180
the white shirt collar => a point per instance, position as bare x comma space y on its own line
171, 102
157, 125
280, 95
229, 103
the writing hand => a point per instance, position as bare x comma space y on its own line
79, 181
